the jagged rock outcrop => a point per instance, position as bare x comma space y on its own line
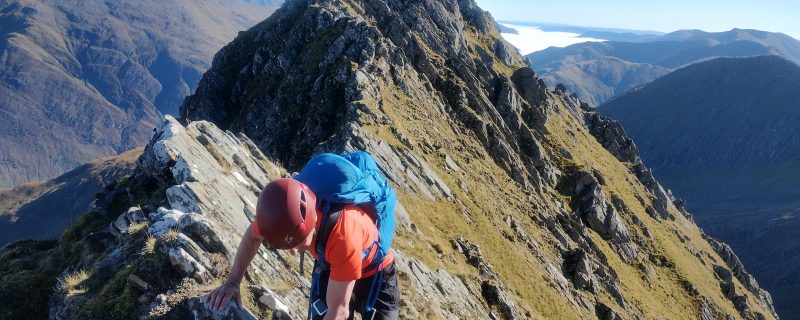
186, 235
613, 137
597, 211
202, 185
538, 221
580, 270
737, 269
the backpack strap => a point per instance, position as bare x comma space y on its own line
329, 221
330, 217
331, 213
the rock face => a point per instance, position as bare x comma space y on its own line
183, 229
176, 246
530, 218
598, 71
741, 181
80, 80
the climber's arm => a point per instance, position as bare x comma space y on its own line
338, 299
248, 247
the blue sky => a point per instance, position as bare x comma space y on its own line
665, 15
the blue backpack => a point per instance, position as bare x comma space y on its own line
356, 179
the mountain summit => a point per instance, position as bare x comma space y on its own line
515, 202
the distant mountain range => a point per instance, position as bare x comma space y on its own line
597, 71
85, 79
725, 135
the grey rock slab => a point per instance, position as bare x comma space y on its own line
440, 289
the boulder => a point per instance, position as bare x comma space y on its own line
271, 301
580, 270
472, 252
605, 313
595, 209
495, 296
198, 308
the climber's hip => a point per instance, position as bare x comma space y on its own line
387, 303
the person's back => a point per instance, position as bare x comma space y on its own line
349, 252
349, 237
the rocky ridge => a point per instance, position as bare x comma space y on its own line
511, 207
448, 109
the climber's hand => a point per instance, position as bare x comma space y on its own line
219, 298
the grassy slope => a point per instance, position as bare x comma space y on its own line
483, 222
441, 221
666, 240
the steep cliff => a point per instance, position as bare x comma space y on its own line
517, 202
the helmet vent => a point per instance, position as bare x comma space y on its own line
303, 210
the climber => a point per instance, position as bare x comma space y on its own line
356, 271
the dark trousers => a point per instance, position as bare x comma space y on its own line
387, 305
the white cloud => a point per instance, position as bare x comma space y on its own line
531, 39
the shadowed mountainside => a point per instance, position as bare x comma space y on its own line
724, 135
43, 210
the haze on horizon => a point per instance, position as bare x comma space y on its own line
663, 16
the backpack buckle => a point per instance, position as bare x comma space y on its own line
374, 311
319, 308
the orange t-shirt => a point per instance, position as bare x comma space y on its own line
353, 233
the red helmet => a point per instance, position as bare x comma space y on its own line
286, 213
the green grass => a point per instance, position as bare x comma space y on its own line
440, 221
116, 299
28, 271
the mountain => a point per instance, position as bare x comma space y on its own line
597, 71
515, 202
43, 210
81, 79
478, 148
723, 134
